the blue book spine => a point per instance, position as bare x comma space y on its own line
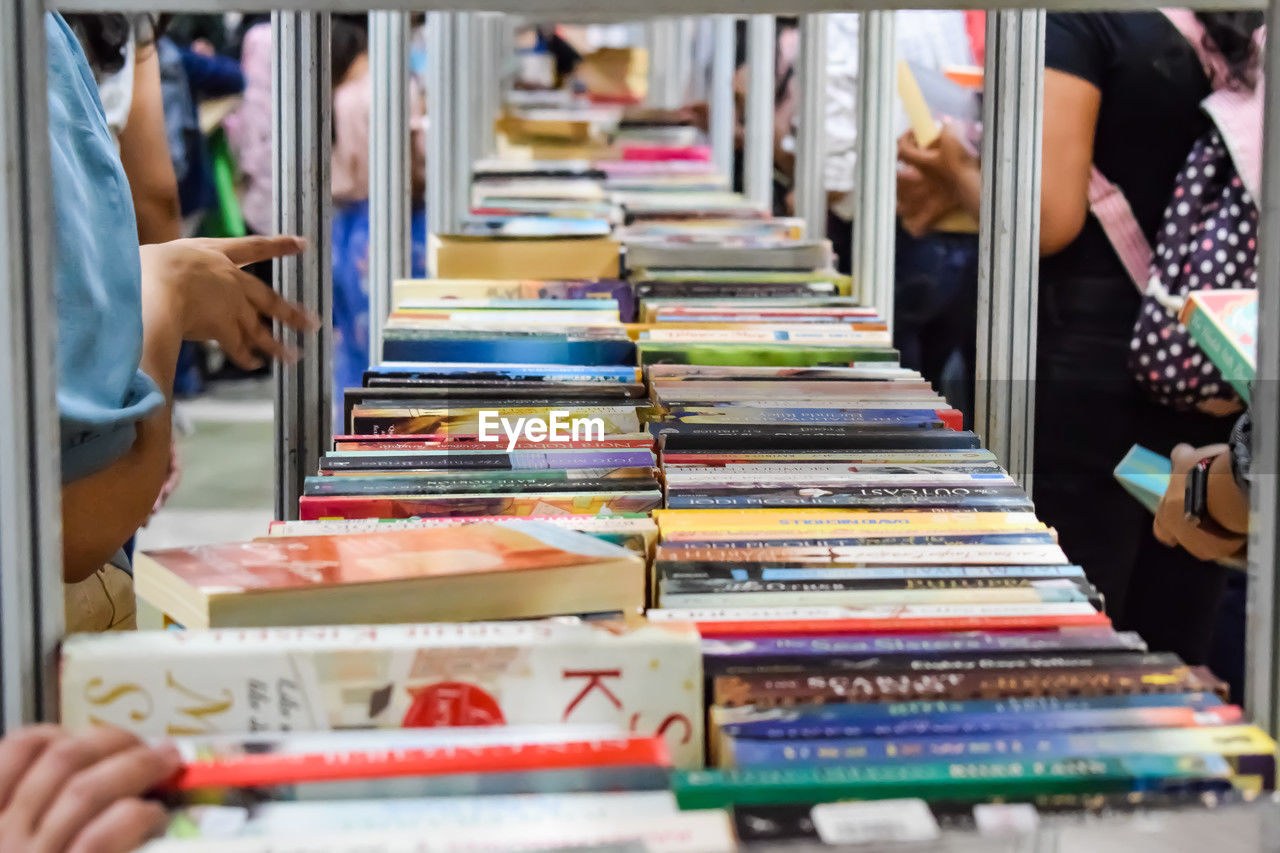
902, 718
899, 572
963, 746
976, 726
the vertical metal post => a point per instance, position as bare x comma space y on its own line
441, 111
1009, 244
662, 37
489, 65
390, 242
31, 603
811, 134
1262, 646
302, 127
757, 154
720, 112
875, 171
464, 80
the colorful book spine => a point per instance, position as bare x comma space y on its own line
768, 691
171, 683
514, 505
264, 769
949, 717
1224, 323
746, 650
956, 780
1250, 752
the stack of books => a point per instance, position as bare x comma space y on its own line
847, 597
882, 613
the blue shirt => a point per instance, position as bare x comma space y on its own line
97, 275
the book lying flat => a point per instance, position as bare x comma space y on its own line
473, 572
645, 680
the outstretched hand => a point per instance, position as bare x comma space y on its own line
79, 793
200, 283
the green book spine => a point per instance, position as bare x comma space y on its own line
969, 780
747, 354
1222, 351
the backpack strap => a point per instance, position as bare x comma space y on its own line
1112, 210
1215, 66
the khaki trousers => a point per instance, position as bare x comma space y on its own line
101, 602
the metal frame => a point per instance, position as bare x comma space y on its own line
31, 608
1262, 642
720, 105
443, 214
390, 216
875, 182
303, 127
811, 131
1009, 240
757, 144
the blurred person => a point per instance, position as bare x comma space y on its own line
65, 793
352, 113
935, 274
122, 53
1122, 91
123, 311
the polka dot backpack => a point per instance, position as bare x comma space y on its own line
1207, 239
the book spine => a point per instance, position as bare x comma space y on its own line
1055, 741
905, 663
693, 582
787, 573
961, 497
265, 769
974, 780
927, 645
767, 692
875, 555
1220, 349
175, 683
964, 725
532, 504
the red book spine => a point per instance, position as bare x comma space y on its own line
896, 626
266, 769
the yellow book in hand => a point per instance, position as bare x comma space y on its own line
925, 126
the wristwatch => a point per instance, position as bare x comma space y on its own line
1196, 498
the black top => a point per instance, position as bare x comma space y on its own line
1152, 84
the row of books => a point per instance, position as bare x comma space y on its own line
678, 561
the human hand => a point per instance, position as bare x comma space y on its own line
929, 179
200, 284
1207, 540
80, 793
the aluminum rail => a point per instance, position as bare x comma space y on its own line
390, 240
442, 213
757, 147
875, 169
1262, 615
31, 594
721, 110
811, 135
302, 125
1009, 240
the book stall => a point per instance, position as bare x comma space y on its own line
636, 534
